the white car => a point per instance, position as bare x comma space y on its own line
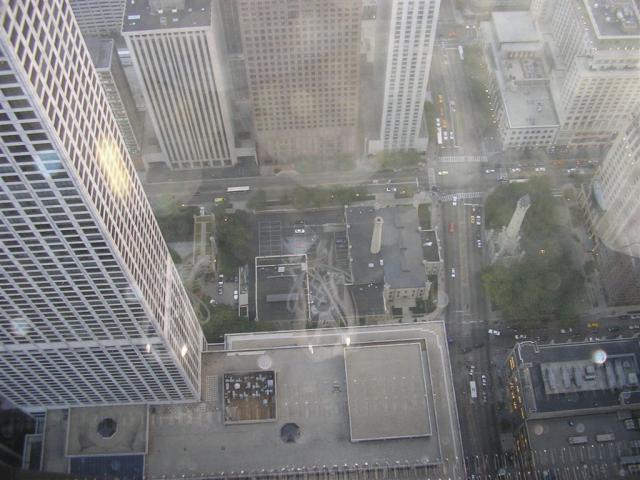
483, 380
478, 219
452, 137
437, 122
235, 295
445, 136
516, 169
494, 332
540, 169
443, 172
455, 200
490, 170
520, 337
479, 243
453, 273
392, 189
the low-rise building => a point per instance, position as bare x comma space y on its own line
568, 398
385, 248
519, 89
292, 404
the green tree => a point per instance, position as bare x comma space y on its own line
257, 201
224, 319
235, 240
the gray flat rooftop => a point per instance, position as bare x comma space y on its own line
530, 106
312, 393
399, 263
622, 358
282, 289
139, 16
129, 437
614, 18
430, 246
387, 392
515, 27
548, 437
100, 51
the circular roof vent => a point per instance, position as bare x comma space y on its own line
289, 432
107, 427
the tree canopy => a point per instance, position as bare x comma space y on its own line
234, 239
224, 319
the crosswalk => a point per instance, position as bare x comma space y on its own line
461, 196
463, 159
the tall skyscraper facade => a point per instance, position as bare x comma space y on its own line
113, 80
617, 191
92, 310
98, 17
303, 64
411, 37
596, 57
179, 55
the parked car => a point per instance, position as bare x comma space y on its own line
235, 295
455, 200
494, 332
483, 380
443, 172
479, 243
520, 336
453, 273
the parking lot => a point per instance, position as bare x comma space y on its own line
321, 236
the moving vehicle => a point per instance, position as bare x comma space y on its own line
453, 273
455, 200
299, 227
235, 295
452, 228
439, 136
461, 52
483, 380
473, 388
238, 189
443, 172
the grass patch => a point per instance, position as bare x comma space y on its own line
424, 216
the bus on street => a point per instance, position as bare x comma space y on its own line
238, 189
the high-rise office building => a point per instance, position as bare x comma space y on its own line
411, 35
98, 17
617, 190
612, 204
303, 63
177, 49
92, 310
114, 82
595, 48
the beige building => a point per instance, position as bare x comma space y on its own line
612, 204
92, 310
177, 49
302, 61
595, 48
519, 88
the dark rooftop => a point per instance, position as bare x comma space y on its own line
563, 377
367, 298
612, 19
399, 262
430, 246
282, 289
142, 15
